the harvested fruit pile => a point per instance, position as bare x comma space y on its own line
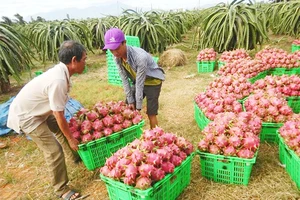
103, 120
147, 160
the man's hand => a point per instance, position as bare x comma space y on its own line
64, 127
73, 143
132, 106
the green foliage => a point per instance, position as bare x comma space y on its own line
20, 19
47, 36
15, 52
284, 18
233, 26
98, 27
38, 19
7, 20
155, 29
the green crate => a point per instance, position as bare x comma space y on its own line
109, 56
94, 153
295, 48
261, 75
205, 66
155, 59
114, 76
115, 82
169, 188
292, 71
279, 71
282, 150
290, 160
220, 64
112, 70
37, 73
294, 103
111, 63
269, 132
132, 40
201, 120
226, 169
84, 71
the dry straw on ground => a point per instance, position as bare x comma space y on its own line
172, 58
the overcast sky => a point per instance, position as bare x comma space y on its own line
27, 8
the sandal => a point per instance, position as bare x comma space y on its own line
70, 195
3, 145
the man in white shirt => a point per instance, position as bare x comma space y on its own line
38, 111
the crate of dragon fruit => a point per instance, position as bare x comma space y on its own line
229, 147
103, 130
155, 166
272, 107
94, 153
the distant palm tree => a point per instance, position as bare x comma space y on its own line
38, 19
15, 55
7, 20
20, 19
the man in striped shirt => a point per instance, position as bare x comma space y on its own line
137, 65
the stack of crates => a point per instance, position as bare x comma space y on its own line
112, 70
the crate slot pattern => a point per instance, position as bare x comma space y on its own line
205, 66
226, 169
269, 132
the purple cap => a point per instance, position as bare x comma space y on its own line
113, 38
